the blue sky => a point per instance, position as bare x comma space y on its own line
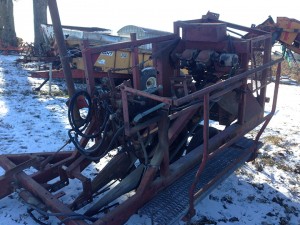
155, 14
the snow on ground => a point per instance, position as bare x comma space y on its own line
264, 192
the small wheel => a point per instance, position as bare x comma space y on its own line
148, 78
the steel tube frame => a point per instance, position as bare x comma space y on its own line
76, 74
230, 135
95, 50
22, 180
191, 211
205, 157
275, 96
199, 94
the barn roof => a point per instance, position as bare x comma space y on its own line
141, 31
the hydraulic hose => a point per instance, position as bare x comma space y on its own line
79, 125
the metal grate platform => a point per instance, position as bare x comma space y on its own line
172, 203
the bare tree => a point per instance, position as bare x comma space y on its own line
7, 25
40, 17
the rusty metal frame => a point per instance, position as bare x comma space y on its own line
76, 74
68, 165
143, 194
14, 165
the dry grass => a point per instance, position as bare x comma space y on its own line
292, 71
274, 140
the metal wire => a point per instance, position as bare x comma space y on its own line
47, 214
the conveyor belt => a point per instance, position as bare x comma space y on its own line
171, 204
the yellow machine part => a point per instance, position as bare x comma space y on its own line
120, 61
78, 63
288, 24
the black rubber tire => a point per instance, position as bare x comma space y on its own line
148, 78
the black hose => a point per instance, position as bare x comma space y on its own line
85, 121
68, 216
94, 148
111, 144
113, 140
96, 158
77, 131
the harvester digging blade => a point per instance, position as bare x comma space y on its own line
127, 184
117, 168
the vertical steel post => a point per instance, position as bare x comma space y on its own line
50, 78
274, 104
265, 72
59, 38
191, 210
135, 62
88, 67
161, 62
242, 103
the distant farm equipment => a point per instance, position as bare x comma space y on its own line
170, 121
6, 48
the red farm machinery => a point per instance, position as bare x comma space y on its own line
166, 132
